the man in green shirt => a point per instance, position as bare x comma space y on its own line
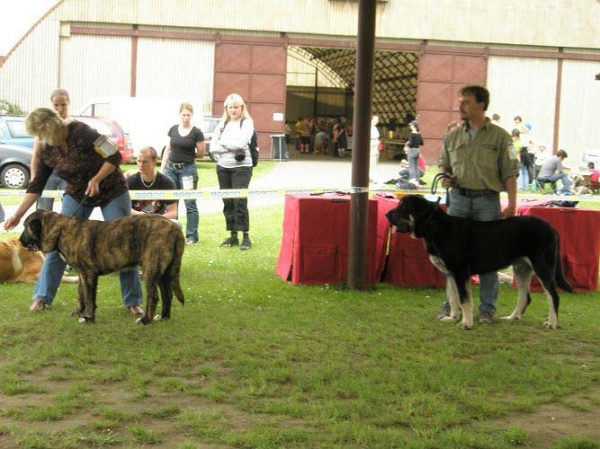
482, 162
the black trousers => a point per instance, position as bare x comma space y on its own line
235, 210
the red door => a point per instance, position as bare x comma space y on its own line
441, 75
256, 70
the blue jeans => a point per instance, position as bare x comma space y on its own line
566, 182
193, 217
523, 181
482, 208
54, 182
54, 267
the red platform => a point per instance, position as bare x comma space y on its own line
579, 231
408, 263
314, 244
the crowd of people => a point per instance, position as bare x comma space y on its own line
537, 163
70, 155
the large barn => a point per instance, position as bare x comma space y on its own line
289, 59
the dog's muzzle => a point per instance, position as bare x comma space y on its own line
31, 245
400, 224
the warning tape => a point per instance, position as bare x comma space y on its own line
211, 193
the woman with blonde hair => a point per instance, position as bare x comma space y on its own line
89, 163
186, 144
230, 143
60, 103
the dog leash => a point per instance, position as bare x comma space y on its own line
434, 184
84, 200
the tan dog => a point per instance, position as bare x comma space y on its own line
18, 264
96, 248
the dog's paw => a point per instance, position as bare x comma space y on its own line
511, 318
449, 319
550, 325
159, 317
465, 326
141, 321
86, 320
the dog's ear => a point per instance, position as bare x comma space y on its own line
35, 226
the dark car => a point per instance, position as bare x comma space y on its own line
15, 166
12, 131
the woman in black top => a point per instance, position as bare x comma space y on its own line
186, 144
413, 152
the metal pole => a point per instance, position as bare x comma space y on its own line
359, 201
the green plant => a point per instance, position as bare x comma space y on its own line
7, 108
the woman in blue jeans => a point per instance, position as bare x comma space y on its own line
186, 144
89, 163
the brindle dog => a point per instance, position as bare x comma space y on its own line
95, 248
460, 247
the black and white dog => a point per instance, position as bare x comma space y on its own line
460, 247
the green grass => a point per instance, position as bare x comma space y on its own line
252, 361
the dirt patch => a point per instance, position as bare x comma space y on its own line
551, 423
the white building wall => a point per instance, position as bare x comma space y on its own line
535, 22
90, 66
580, 111
524, 87
30, 74
181, 68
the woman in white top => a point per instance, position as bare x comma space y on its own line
234, 167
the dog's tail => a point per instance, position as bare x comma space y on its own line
175, 268
559, 275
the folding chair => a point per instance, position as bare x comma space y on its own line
541, 185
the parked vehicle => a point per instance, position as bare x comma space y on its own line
147, 120
114, 132
15, 166
208, 128
12, 131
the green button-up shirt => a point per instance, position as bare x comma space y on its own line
482, 161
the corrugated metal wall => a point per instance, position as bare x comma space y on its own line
580, 109
29, 75
91, 66
177, 68
528, 87
498, 22
525, 87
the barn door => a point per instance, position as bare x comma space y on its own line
257, 71
441, 75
